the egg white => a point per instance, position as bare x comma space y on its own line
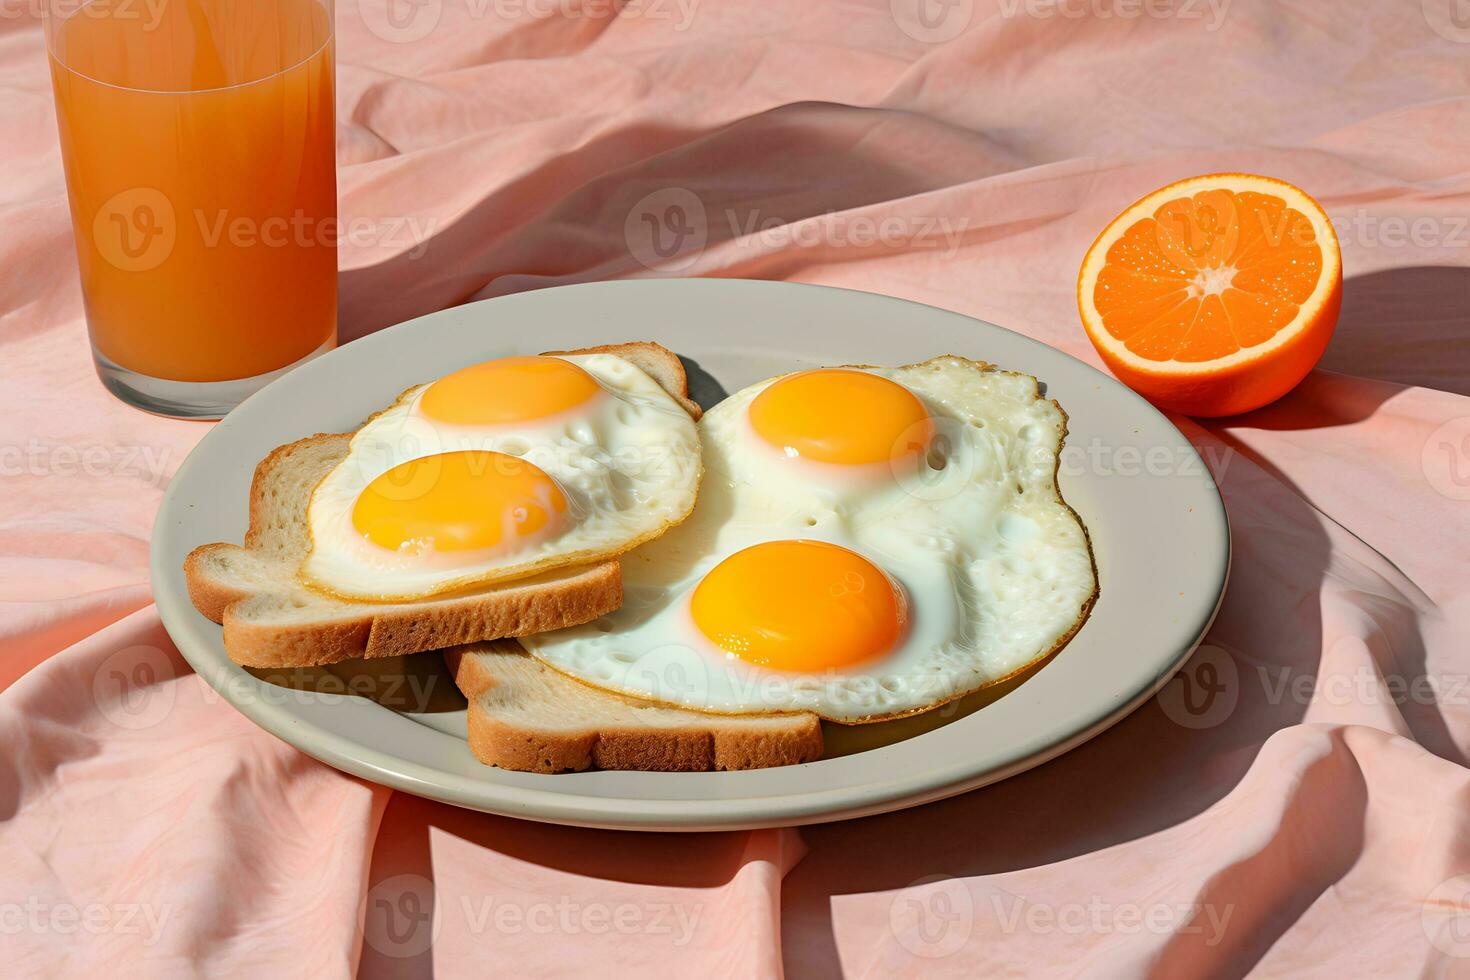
627, 461
997, 569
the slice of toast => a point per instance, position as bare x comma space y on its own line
271, 619
525, 716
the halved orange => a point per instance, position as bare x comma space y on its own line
1214, 295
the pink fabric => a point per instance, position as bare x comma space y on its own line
1312, 819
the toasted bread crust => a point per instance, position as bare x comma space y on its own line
210, 595
698, 743
346, 629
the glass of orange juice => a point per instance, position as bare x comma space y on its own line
198, 141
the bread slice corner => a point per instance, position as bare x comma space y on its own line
654, 360
527, 717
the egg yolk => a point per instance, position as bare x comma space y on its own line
840, 416
462, 501
799, 605
511, 389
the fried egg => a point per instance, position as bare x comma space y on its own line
868, 543
501, 470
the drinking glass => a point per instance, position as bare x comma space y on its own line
198, 142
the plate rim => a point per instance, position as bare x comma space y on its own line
590, 810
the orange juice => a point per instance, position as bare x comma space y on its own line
198, 139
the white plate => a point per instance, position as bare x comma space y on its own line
1157, 523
